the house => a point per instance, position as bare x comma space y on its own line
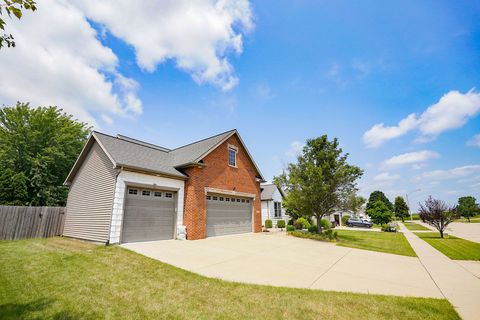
125, 190
272, 198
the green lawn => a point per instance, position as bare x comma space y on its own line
67, 279
415, 226
453, 247
388, 242
474, 219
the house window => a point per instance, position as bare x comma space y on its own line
146, 193
168, 195
232, 157
157, 194
132, 191
278, 209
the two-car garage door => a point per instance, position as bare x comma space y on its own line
228, 215
149, 215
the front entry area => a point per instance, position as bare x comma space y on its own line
149, 215
228, 215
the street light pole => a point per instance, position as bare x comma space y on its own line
408, 202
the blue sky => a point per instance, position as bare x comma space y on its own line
302, 69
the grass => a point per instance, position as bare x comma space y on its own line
388, 242
412, 226
61, 278
474, 219
453, 247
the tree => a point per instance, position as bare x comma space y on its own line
401, 209
353, 203
467, 207
15, 8
316, 182
379, 213
437, 213
38, 147
378, 196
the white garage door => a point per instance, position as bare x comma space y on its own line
149, 215
228, 215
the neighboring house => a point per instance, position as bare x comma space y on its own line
272, 198
126, 190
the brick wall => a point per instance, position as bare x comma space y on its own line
218, 174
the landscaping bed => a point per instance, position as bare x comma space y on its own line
387, 242
453, 247
60, 278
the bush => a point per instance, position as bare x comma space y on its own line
344, 219
416, 216
325, 224
315, 236
330, 234
281, 224
268, 223
312, 229
389, 227
291, 221
290, 228
304, 222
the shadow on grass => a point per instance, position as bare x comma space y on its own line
28, 310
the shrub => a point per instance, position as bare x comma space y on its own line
312, 229
281, 224
325, 224
291, 221
314, 236
344, 219
389, 227
268, 223
304, 222
416, 216
330, 234
290, 228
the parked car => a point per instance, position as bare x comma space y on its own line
356, 222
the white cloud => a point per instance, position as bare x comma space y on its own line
59, 61
452, 111
454, 173
379, 134
417, 159
474, 141
197, 35
386, 177
295, 149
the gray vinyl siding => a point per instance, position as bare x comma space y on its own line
90, 199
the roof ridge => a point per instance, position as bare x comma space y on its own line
135, 141
189, 144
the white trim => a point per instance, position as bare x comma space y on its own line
135, 179
229, 192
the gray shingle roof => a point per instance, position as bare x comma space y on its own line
267, 192
135, 154
139, 156
193, 152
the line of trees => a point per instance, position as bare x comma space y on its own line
38, 147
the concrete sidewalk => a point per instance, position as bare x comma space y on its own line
279, 260
460, 286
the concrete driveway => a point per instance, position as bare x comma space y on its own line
279, 260
469, 231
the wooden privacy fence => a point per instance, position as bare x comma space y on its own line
30, 222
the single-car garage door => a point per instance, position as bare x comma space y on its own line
228, 215
149, 215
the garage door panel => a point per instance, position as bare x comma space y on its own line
228, 217
148, 218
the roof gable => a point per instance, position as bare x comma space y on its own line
268, 190
135, 154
